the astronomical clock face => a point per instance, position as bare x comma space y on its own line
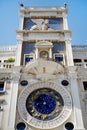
45, 105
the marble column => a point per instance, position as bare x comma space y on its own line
18, 53
37, 54
69, 55
65, 23
78, 121
50, 53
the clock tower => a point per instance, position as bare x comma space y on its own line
45, 90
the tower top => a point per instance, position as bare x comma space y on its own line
27, 10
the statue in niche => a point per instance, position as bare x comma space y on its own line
44, 55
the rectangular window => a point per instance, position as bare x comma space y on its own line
58, 58
85, 85
28, 58
27, 48
85, 60
2, 86
77, 60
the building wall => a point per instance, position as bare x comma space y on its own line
80, 52
47, 62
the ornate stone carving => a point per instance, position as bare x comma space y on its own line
37, 67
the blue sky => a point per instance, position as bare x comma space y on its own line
9, 18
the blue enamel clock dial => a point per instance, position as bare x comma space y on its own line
44, 104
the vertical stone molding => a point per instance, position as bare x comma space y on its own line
37, 55
1, 115
76, 102
65, 23
18, 53
50, 53
13, 102
21, 21
69, 55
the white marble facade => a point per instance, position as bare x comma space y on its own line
44, 67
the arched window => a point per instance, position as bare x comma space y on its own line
77, 60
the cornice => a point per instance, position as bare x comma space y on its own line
43, 9
43, 31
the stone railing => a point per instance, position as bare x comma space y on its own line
79, 47
7, 48
78, 64
7, 65
81, 65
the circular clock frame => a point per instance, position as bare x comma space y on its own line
43, 124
